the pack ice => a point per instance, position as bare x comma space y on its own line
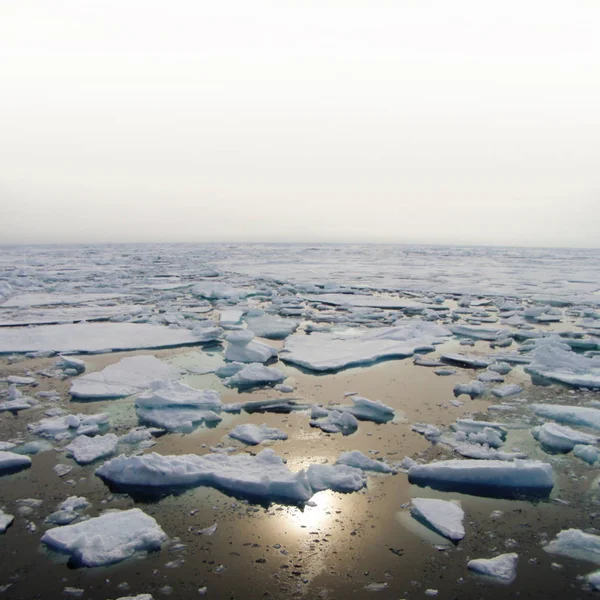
107, 539
494, 478
129, 376
93, 337
443, 516
331, 351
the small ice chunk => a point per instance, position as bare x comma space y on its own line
71, 362
445, 517
252, 434
107, 539
168, 393
243, 348
503, 567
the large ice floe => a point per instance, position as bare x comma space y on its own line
555, 360
93, 337
129, 376
174, 406
445, 517
107, 539
575, 543
501, 568
494, 478
263, 477
331, 351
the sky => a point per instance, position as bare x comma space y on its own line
404, 121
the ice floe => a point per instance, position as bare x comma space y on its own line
502, 568
244, 348
255, 374
129, 376
445, 517
93, 337
575, 543
560, 438
271, 327
583, 416
10, 462
358, 460
556, 361
107, 539
486, 478
86, 449
252, 434
353, 347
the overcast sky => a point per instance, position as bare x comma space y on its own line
430, 121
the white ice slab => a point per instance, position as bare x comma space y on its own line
174, 394
46, 299
560, 438
255, 374
271, 326
358, 460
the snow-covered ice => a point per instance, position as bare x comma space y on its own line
271, 327
174, 394
67, 426
336, 422
107, 539
445, 517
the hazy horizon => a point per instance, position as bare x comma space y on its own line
421, 122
